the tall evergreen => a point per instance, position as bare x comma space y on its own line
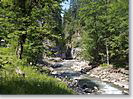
26, 24
103, 27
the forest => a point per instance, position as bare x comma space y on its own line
43, 47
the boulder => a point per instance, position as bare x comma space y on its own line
86, 69
56, 59
54, 72
88, 90
56, 65
125, 92
84, 86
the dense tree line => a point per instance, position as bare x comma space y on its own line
29, 29
25, 25
103, 27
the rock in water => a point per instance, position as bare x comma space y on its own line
84, 86
87, 90
56, 65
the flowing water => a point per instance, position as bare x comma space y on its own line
64, 70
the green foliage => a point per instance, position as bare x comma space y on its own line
103, 27
105, 65
32, 83
8, 60
24, 25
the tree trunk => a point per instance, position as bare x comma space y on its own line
19, 51
107, 53
21, 42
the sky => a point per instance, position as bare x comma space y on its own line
65, 5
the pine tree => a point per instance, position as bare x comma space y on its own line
25, 24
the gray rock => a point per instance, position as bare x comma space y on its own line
56, 65
125, 92
56, 59
88, 90
86, 69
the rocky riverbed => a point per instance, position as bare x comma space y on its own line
119, 77
85, 79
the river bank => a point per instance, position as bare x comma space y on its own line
119, 77
96, 80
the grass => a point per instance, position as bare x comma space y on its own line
105, 65
32, 83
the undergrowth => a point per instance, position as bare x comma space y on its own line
32, 83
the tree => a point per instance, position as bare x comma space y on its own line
26, 23
103, 27
107, 17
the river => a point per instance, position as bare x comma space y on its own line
83, 83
